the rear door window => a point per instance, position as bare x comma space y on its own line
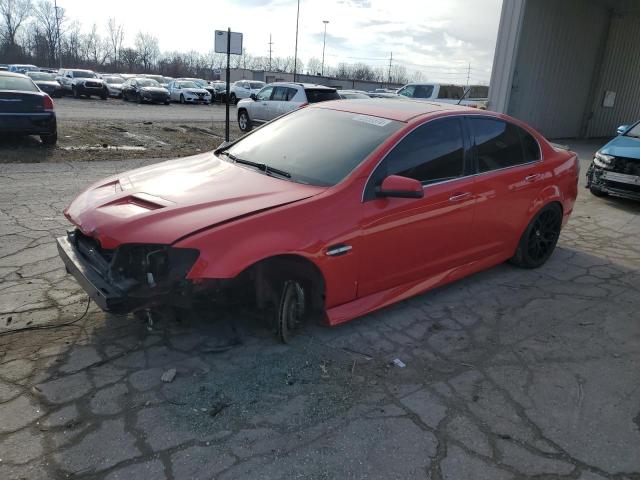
433, 152
321, 95
451, 92
279, 94
499, 144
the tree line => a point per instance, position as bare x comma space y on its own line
34, 32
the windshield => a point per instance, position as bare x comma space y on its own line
316, 146
41, 76
17, 83
188, 85
114, 80
634, 131
83, 74
147, 82
256, 85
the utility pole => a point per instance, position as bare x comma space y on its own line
295, 56
55, 6
390, 61
270, 44
324, 43
468, 74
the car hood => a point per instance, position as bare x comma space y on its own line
154, 89
623, 146
167, 201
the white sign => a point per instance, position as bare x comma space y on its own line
221, 39
609, 99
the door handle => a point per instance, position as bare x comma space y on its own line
532, 178
459, 196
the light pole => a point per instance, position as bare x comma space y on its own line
295, 56
324, 43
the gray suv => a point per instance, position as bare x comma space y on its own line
277, 99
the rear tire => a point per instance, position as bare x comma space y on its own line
539, 238
49, 140
244, 122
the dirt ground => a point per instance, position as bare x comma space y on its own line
117, 139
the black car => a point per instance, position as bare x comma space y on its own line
142, 90
25, 110
47, 83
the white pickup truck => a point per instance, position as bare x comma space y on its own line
443, 93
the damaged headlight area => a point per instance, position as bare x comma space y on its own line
603, 161
130, 277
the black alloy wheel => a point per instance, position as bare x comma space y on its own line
540, 238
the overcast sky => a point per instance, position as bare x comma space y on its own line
438, 37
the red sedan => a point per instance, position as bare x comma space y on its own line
341, 208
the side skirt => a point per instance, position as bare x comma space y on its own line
357, 308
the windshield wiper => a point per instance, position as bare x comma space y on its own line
263, 167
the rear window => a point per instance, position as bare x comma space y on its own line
478, 91
83, 74
292, 144
321, 95
17, 83
255, 85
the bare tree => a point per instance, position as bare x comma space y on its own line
45, 19
314, 66
115, 38
148, 49
129, 57
94, 49
13, 14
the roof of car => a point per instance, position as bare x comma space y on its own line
402, 110
301, 84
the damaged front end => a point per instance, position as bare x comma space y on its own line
614, 175
130, 277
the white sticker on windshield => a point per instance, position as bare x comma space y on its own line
377, 121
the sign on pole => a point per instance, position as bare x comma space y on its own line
230, 43
235, 48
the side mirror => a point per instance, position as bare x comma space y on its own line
68, 76
400, 187
622, 129
253, 96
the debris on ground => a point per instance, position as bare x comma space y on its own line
169, 375
399, 363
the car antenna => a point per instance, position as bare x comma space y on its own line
464, 95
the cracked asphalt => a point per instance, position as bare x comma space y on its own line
509, 373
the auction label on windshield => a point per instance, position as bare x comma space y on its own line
379, 122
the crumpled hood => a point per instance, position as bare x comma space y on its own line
164, 202
622, 146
